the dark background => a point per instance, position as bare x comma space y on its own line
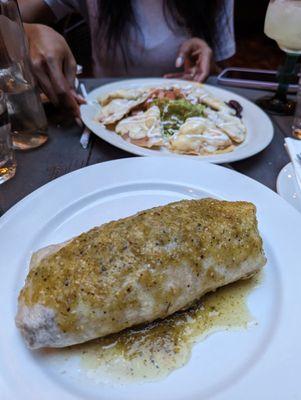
254, 49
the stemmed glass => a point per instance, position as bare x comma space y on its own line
283, 24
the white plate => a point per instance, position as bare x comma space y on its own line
262, 362
259, 126
287, 186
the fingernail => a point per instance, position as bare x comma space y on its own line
80, 97
79, 122
79, 69
193, 71
179, 61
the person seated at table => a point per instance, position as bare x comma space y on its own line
171, 38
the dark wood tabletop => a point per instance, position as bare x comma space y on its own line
63, 153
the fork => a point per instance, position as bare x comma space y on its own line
85, 137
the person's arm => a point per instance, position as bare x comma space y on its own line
36, 11
53, 63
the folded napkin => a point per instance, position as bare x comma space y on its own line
293, 148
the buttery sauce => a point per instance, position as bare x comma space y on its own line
153, 351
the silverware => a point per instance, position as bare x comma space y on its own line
85, 137
79, 70
299, 156
84, 91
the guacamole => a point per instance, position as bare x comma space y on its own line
175, 112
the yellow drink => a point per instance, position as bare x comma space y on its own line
283, 24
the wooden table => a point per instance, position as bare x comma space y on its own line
63, 153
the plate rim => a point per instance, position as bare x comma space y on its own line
279, 176
295, 202
83, 170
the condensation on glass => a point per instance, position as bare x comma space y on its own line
27, 116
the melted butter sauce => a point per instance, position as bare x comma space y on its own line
153, 351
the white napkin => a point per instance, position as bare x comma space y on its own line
293, 148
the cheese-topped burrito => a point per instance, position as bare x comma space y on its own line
137, 269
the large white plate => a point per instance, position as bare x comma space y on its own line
259, 126
287, 186
262, 362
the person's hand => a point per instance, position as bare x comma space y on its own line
196, 57
54, 66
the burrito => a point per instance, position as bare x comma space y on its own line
135, 270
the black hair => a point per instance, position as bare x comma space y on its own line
117, 16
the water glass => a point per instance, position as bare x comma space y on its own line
7, 156
27, 116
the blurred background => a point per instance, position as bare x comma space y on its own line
252, 45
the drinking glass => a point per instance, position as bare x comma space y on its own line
27, 116
7, 157
283, 24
